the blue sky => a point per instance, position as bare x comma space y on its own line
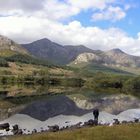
97, 24
130, 24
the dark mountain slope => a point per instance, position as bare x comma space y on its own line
54, 52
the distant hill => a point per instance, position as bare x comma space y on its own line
54, 52
10, 51
114, 57
120, 58
45, 52
65, 54
8, 47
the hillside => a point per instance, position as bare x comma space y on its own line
10, 51
114, 57
17, 63
114, 60
81, 55
54, 52
120, 58
9, 47
45, 51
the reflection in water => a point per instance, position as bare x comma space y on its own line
49, 101
113, 104
44, 109
29, 90
14, 98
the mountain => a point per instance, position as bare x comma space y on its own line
10, 51
54, 52
68, 54
9, 47
87, 58
120, 58
114, 57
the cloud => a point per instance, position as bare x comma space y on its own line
127, 7
52, 9
112, 13
29, 21
28, 29
7, 6
87, 4
68, 8
22, 4
56, 10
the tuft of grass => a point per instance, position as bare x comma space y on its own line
120, 132
7, 53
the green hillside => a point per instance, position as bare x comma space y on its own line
91, 69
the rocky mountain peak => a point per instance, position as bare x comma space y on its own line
44, 40
8, 44
87, 57
54, 52
116, 51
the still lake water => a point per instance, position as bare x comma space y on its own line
37, 107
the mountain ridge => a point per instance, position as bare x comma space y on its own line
70, 54
54, 52
67, 54
114, 57
9, 46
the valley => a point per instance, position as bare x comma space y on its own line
69, 70
58, 84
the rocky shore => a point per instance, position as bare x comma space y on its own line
23, 124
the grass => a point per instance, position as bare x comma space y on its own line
92, 69
5, 53
131, 70
120, 132
6, 104
30, 69
96, 68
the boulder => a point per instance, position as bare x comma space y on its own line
136, 120
91, 122
54, 128
4, 126
124, 122
15, 127
116, 121
34, 131
16, 130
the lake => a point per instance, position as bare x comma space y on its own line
36, 107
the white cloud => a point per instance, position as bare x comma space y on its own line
52, 9
112, 13
127, 7
27, 29
26, 24
94, 4
7, 6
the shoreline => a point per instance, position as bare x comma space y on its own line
28, 124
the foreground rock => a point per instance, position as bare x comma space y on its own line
54, 128
4, 126
28, 125
16, 130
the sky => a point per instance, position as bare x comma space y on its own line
97, 24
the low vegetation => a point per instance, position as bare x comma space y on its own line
27, 60
25, 69
3, 63
89, 70
114, 83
